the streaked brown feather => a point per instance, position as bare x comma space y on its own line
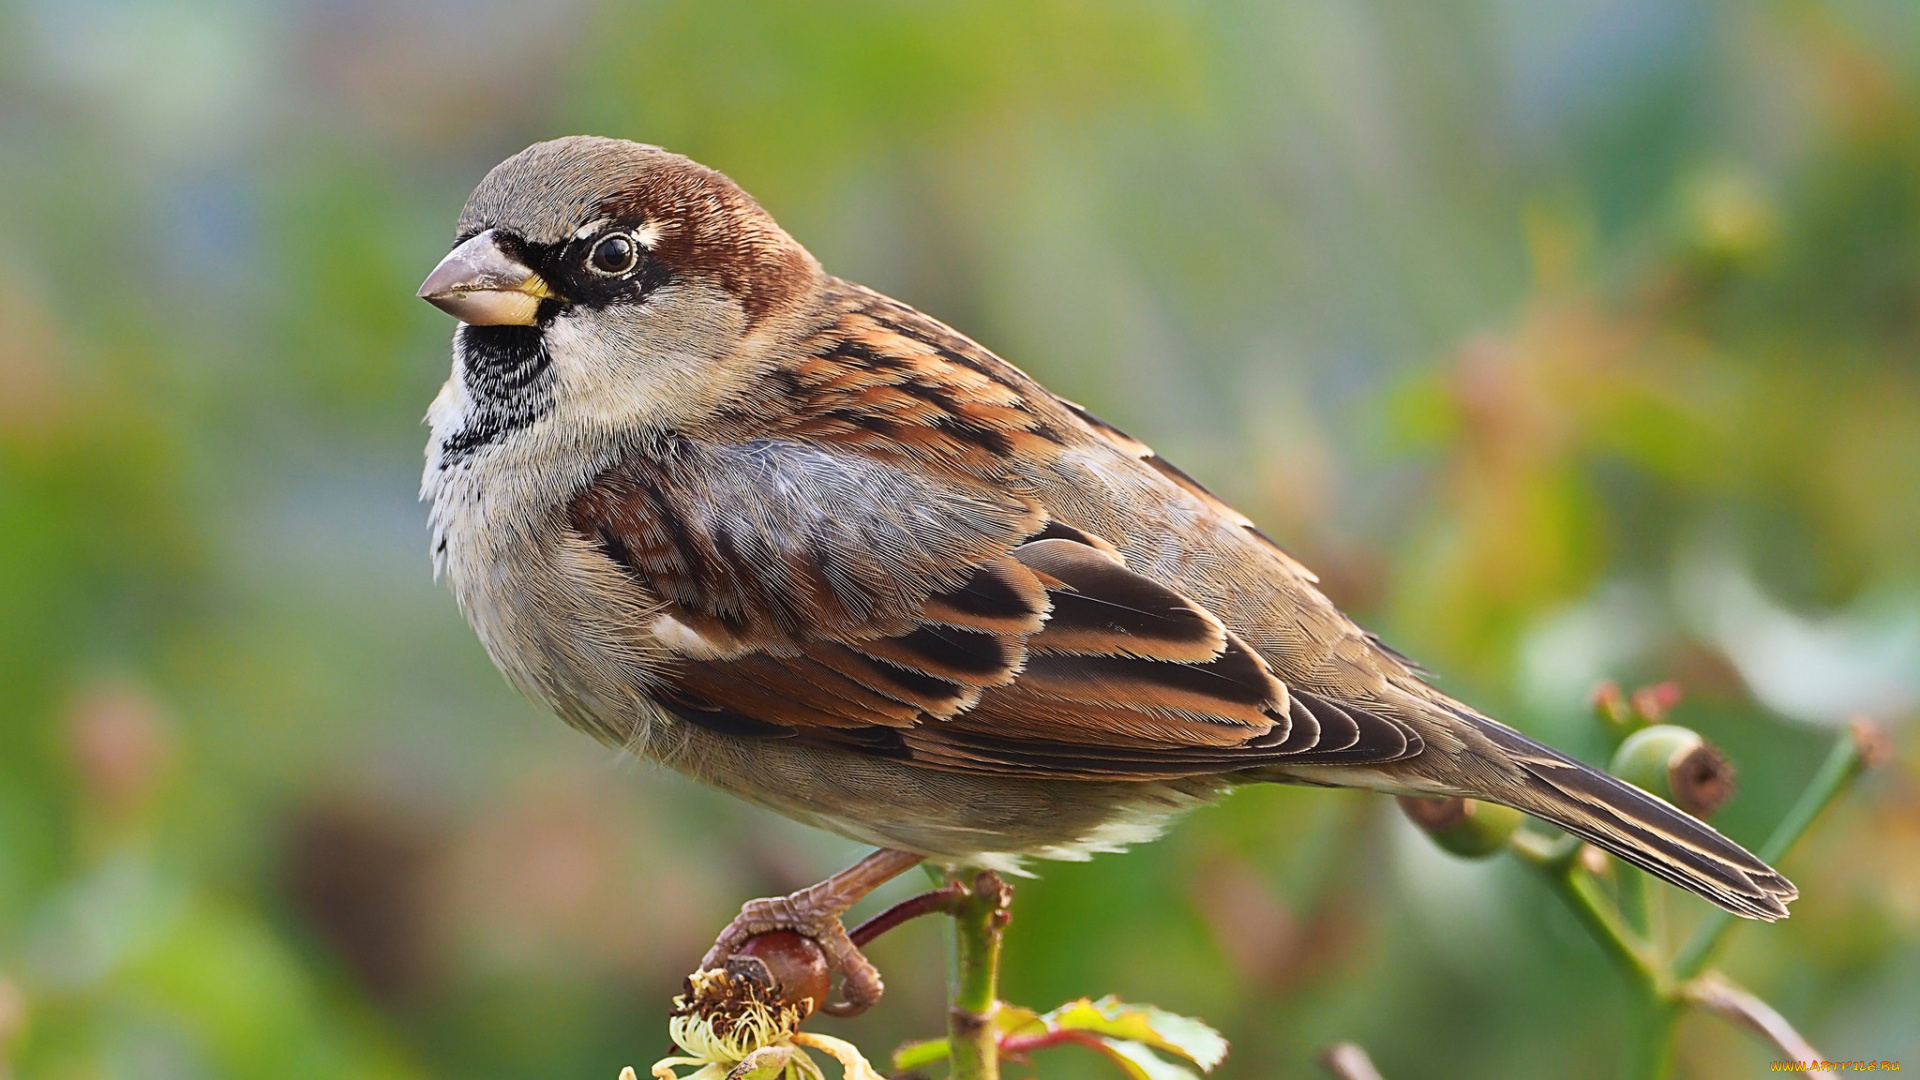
779, 538
700, 712
1140, 451
866, 383
1001, 596
990, 636
732, 685
932, 695
1119, 723
1303, 729
967, 657
830, 699
1338, 729
1234, 687
1101, 608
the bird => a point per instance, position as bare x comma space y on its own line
807, 545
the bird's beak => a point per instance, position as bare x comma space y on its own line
480, 284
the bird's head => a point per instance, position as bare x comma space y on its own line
611, 279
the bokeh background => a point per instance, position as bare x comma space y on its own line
1568, 341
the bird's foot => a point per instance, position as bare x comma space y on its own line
815, 913
860, 982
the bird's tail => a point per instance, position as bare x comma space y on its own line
1640, 828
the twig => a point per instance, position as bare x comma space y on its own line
1718, 994
926, 903
979, 917
1632, 930
1559, 862
1346, 1061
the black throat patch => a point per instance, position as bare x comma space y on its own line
509, 380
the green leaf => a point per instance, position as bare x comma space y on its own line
916, 1055
1169, 1032
1019, 1020
1140, 1063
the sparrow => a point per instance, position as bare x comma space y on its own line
805, 544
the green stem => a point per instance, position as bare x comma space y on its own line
1843, 763
1633, 901
1630, 932
1650, 1057
1559, 862
1652, 1050
979, 918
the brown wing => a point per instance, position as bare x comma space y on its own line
1052, 660
858, 577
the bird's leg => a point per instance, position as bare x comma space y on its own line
815, 912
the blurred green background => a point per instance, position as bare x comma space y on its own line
1567, 340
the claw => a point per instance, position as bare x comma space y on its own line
860, 981
815, 913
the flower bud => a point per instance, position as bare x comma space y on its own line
1870, 742
1621, 714
1652, 703
1678, 765
1467, 827
1611, 710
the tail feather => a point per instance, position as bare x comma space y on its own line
1640, 828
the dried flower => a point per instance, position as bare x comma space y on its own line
732, 1026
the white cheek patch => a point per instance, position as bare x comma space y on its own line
653, 364
606, 375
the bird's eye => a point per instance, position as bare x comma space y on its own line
614, 255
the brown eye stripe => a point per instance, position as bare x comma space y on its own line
705, 227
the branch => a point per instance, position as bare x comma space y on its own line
1718, 994
1559, 862
926, 903
979, 917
